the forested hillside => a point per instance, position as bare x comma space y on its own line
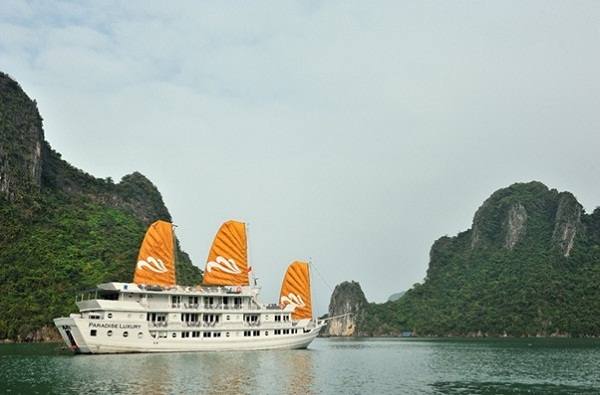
529, 266
61, 229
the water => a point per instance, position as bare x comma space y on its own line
329, 366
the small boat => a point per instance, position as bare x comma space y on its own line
154, 314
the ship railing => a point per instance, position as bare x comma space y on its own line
163, 305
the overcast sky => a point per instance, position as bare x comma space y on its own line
350, 133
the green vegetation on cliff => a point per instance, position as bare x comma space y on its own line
62, 230
529, 266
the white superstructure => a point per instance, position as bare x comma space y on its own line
124, 317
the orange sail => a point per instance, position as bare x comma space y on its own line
227, 262
295, 290
156, 260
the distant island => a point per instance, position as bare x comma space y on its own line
396, 296
528, 266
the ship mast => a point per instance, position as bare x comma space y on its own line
175, 253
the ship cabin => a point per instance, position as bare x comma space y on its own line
182, 312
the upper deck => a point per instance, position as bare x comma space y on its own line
134, 297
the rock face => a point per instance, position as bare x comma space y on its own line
568, 220
510, 214
515, 225
21, 141
347, 309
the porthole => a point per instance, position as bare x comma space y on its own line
109, 333
125, 334
174, 334
266, 333
140, 335
228, 318
109, 315
129, 315
227, 334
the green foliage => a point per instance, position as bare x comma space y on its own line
69, 244
488, 289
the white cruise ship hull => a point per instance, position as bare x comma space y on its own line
125, 318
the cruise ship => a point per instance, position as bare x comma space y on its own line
224, 313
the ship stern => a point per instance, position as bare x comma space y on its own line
71, 334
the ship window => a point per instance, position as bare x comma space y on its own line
162, 335
93, 332
185, 334
237, 302
108, 295
174, 334
247, 333
109, 333
196, 334
125, 334
109, 315
210, 318
210, 301
157, 319
256, 333
217, 334
188, 317
140, 335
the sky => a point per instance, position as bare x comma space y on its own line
350, 134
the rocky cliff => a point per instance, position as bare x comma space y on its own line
22, 142
507, 217
346, 310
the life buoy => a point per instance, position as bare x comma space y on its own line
239, 289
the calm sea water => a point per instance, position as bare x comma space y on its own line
329, 366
